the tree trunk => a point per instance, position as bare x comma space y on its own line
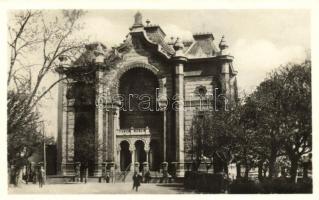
246, 173
293, 169
225, 169
217, 164
305, 170
272, 162
265, 172
238, 171
260, 170
197, 163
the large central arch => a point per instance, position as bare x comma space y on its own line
138, 89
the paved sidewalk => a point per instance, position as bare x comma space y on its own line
98, 188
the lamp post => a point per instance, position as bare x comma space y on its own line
44, 151
192, 143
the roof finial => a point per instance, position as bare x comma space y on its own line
138, 19
148, 22
99, 53
223, 46
178, 46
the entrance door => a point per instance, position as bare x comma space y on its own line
140, 153
125, 155
155, 156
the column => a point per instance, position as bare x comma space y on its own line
67, 131
132, 151
179, 115
147, 155
98, 125
70, 131
111, 153
179, 60
225, 84
114, 126
162, 103
150, 158
61, 126
118, 158
105, 136
64, 141
164, 135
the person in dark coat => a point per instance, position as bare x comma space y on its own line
86, 175
136, 181
41, 177
147, 177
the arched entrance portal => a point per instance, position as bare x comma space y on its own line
140, 153
125, 155
138, 88
155, 156
84, 143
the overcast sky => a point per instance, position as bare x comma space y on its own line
260, 40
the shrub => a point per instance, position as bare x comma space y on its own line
215, 183
278, 185
242, 186
204, 182
285, 186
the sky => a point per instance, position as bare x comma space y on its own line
260, 40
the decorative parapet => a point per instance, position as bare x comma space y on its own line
134, 131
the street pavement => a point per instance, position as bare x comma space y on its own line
98, 188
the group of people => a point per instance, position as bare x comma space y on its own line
110, 177
137, 179
38, 175
26, 176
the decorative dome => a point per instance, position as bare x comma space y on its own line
178, 44
223, 44
202, 47
138, 20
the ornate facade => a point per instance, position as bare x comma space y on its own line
134, 103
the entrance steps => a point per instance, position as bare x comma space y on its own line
156, 177
120, 177
124, 176
60, 179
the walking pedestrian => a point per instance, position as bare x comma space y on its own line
41, 176
86, 174
13, 175
107, 177
113, 175
77, 173
136, 181
147, 177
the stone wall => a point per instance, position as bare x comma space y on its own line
204, 74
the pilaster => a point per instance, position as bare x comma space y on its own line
179, 61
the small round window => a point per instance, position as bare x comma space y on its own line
201, 90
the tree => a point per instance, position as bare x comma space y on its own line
32, 32
25, 137
296, 105
245, 146
36, 42
282, 109
273, 122
213, 139
266, 104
